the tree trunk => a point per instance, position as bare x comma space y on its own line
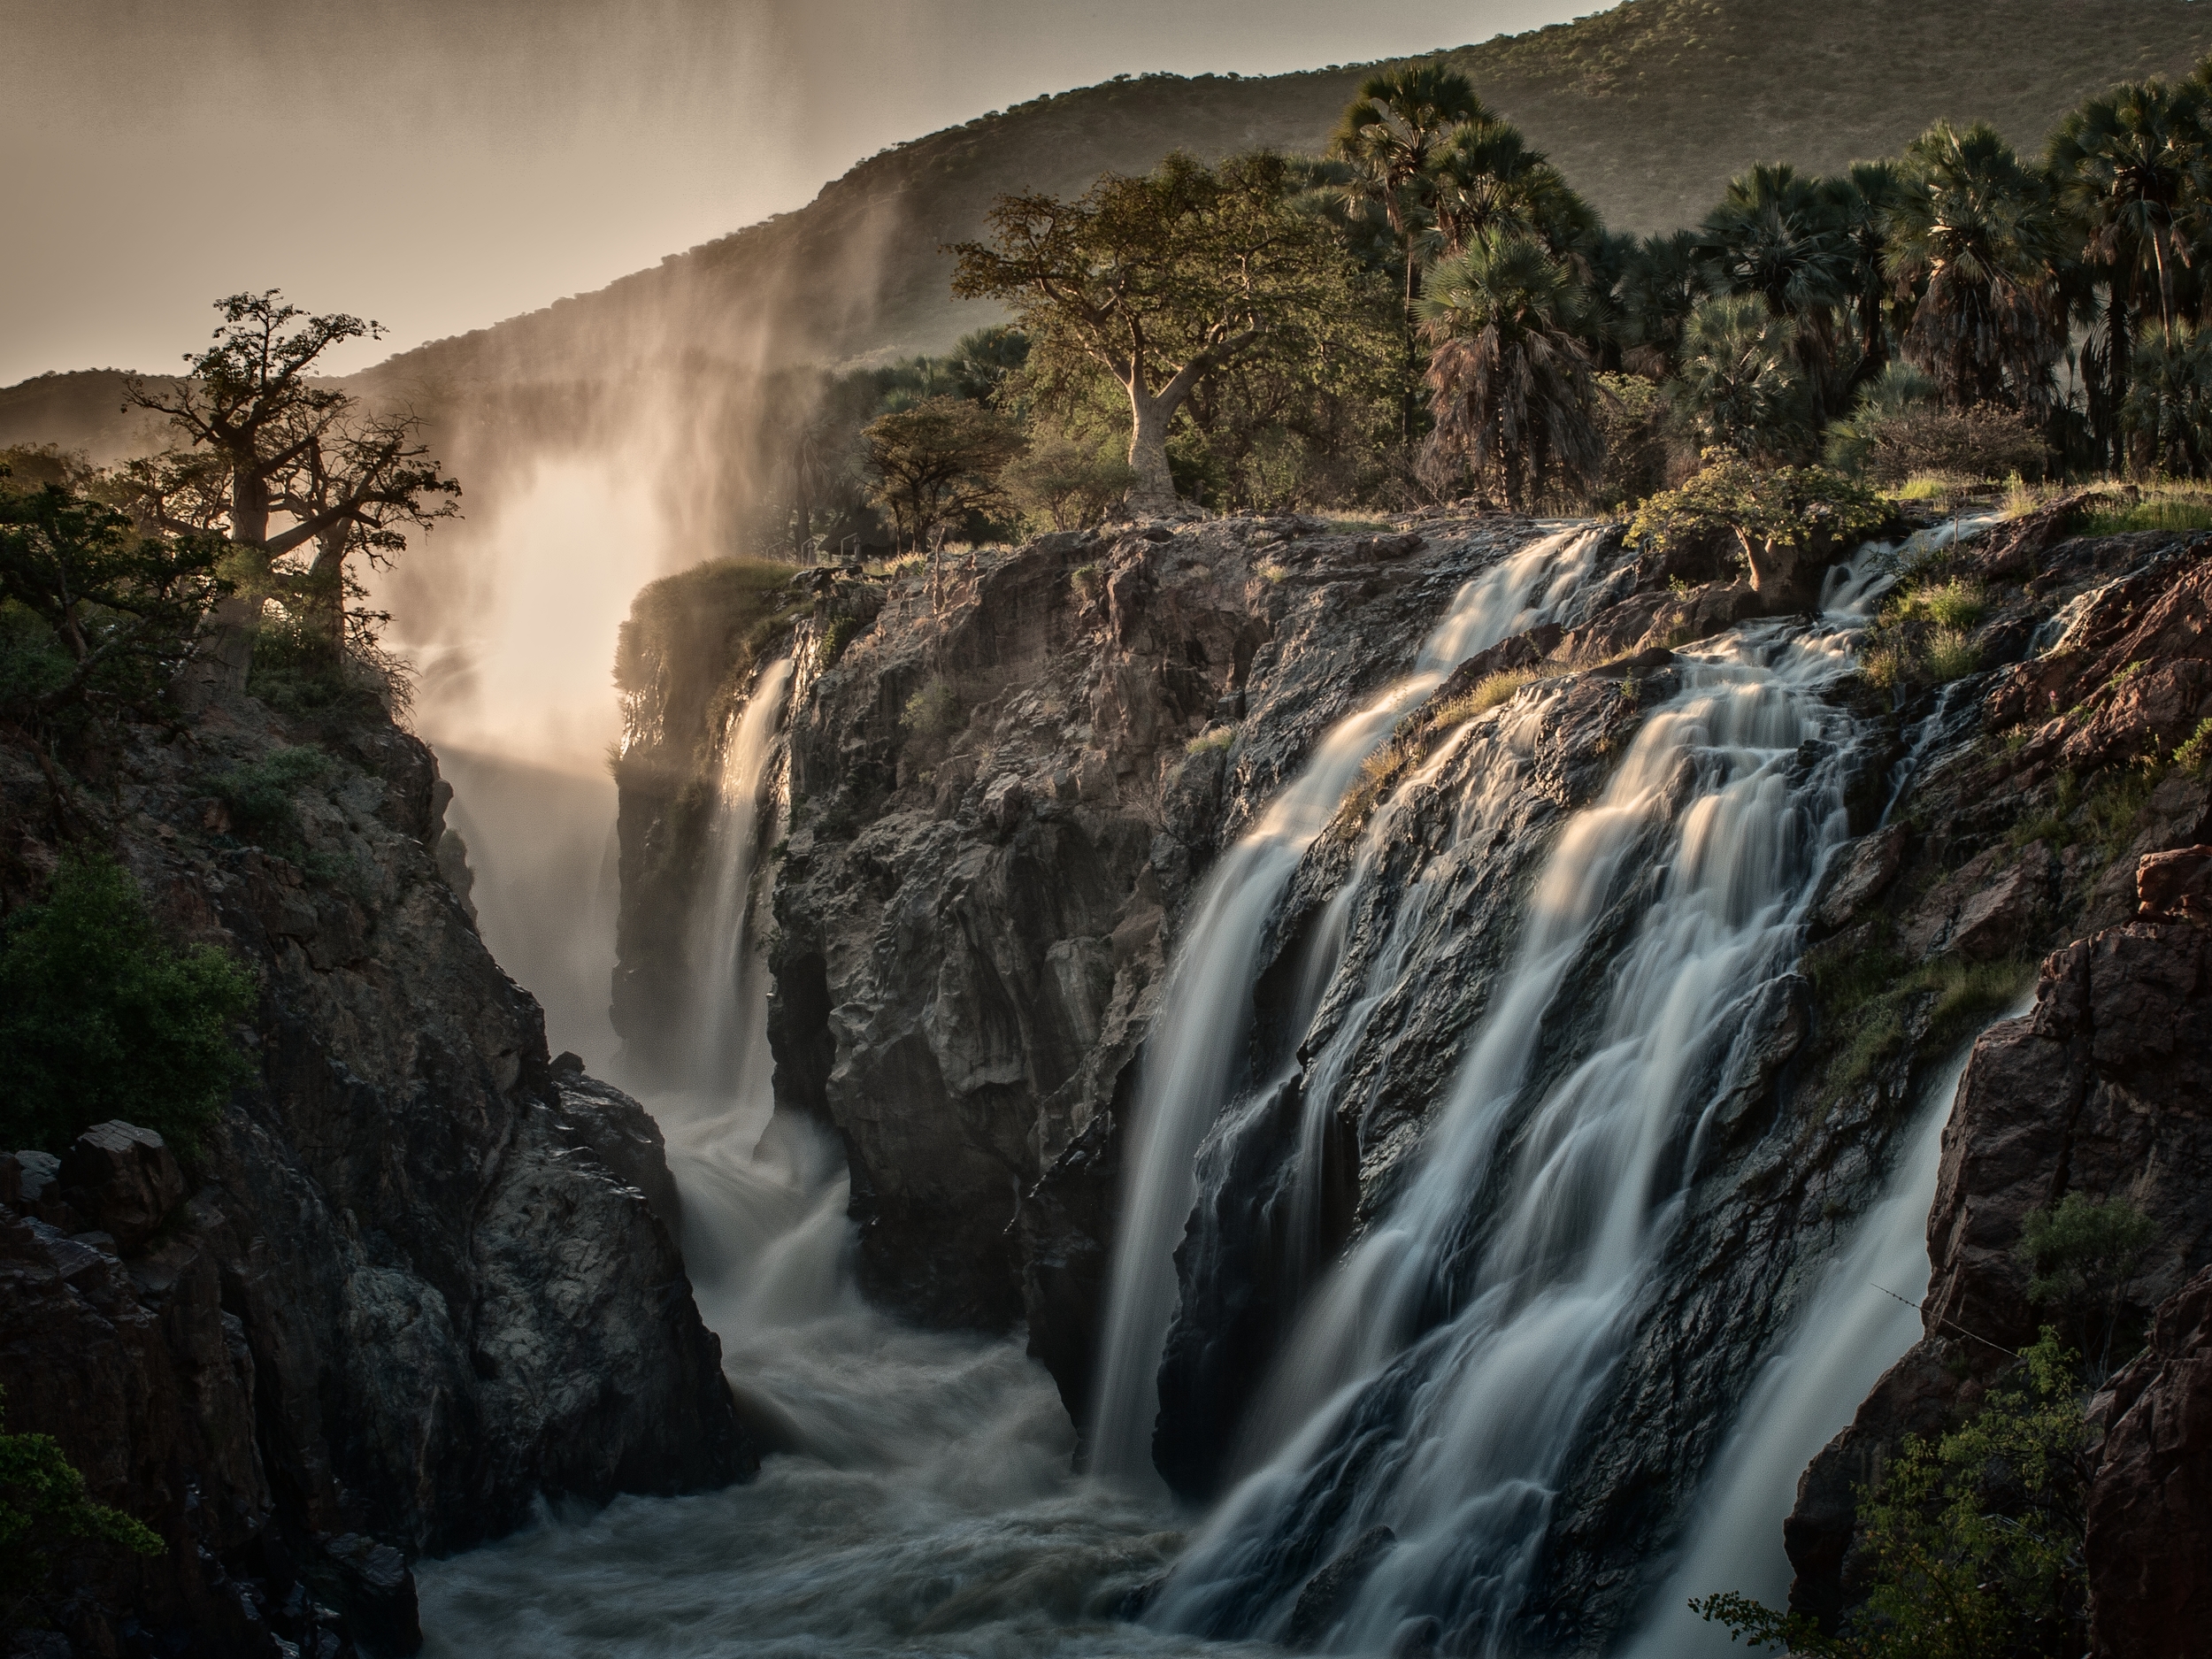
1153, 495
2120, 346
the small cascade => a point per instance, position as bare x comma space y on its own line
729, 1023
1859, 1320
1445, 1370
1194, 1061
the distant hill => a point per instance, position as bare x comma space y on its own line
1649, 108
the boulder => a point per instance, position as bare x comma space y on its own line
2171, 886
123, 1179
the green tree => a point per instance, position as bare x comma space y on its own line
94, 600
1974, 248
2084, 1254
1779, 235
938, 463
1160, 280
1863, 200
1064, 483
1509, 381
2131, 172
99, 1018
1662, 282
1973, 1543
1743, 380
46, 1516
1390, 136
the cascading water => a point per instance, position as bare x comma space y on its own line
1193, 1060
923, 1501
1473, 1324
1863, 1315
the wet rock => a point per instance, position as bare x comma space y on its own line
122, 1179
1860, 874
1328, 1594
378, 1593
2148, 1553
421, 1281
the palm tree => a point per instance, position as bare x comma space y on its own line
1390, 135
2131, 172
1509, 381
1489, 175
1660, 285
1860, 201
1743, 380
1974, 248
1776, 235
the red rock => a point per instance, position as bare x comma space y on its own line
124, 1179
2174, 884
2149, 1550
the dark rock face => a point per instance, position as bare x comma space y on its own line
2149, 1550
974, 911
2104, 1089
418, 1279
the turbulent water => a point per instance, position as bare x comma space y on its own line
1414, 1430
924, 1501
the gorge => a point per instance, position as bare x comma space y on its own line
1546, 992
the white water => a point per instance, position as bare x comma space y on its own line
925, 1503
1192, 1060
1476, 1331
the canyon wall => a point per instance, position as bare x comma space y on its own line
419, 1276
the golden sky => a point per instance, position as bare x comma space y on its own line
442, 164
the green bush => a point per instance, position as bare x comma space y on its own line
2084, 1253
100, 1019
1732, 498
257, 795
46, 1517
1974, 1542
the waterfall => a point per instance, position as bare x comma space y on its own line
729, 1022
1468, 1332
1853, 1327
1192, 1061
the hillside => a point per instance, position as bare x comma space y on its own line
1648, 107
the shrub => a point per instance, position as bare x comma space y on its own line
836, 637
1974, 1542
46, 1517
1213, 738
2084, 1253
1950, 655
1060, 484
1780, 506
257, 795
1985, 441
2197, 750
930, 718
99, 1018
1088, 582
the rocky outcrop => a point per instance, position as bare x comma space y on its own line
2101, 1090
1000, 808
412, 1280
2149, 1544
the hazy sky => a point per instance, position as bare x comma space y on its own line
442, 164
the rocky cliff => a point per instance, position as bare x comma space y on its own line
419, 1275
2072, 808
1005, 783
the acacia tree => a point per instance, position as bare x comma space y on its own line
938, 462
266, 442
1159, 280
